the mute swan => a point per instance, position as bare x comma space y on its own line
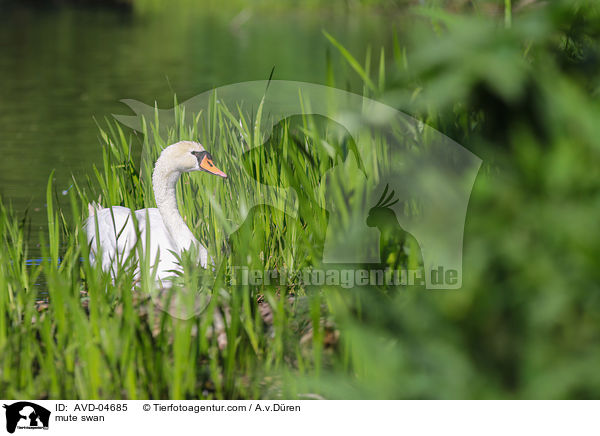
169, 233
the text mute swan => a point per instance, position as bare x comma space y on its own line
168, 231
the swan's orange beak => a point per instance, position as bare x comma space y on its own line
208, 166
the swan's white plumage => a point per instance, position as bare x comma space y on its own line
116, 221
169, 234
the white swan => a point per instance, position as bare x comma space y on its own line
168, 231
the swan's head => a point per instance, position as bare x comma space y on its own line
187, 156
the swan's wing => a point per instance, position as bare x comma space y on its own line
112, 230
162, 244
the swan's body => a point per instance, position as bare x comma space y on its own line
169, 234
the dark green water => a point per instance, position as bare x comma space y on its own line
61, 67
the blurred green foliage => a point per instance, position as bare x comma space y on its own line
526, 323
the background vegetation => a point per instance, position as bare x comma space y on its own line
517, 86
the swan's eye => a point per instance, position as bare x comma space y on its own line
202, 154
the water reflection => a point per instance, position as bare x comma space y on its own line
62, 66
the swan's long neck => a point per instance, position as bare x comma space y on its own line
164, 182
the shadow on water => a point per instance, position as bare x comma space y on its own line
125, 6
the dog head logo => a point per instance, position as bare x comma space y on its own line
26, 415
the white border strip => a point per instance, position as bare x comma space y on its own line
500, 418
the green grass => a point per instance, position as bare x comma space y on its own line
99, 339
524, 325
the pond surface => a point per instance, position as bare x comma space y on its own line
62, 67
